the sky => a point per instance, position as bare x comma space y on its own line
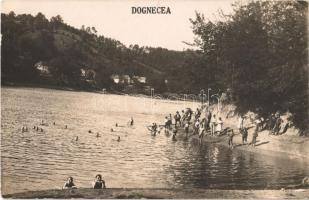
114, 18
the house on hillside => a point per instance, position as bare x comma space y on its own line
82, 72
123, 79
115, 78
126, 79
140, 79
87, 74
43, 69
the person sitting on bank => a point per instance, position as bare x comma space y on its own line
69, 184
98, 183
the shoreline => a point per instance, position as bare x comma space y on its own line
46, 86
273, 151
287, 146
172, 193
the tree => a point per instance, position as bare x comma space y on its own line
56, 22
260, 53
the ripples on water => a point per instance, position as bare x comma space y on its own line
43, 160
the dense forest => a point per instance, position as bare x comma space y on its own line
259, 54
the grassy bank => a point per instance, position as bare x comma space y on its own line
120, 193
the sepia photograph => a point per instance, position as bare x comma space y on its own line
154, 99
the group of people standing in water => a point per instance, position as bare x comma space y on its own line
203, 122
200, 123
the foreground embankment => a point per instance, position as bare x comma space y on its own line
114, 193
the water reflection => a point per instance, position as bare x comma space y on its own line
220, 167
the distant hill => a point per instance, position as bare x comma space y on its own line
65, 51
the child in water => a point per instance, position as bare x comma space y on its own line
174, 134
98, 183
69, 184
187, 129
154, 129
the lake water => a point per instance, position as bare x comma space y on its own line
37, 160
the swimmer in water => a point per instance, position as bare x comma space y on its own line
89, 131
154, 129
116, 124
66, 126
112, 130
98, 183
76, 138
118, 140
69, 184
174, 134
44, 123
54, 123
131, 122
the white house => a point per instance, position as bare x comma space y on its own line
43, 69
